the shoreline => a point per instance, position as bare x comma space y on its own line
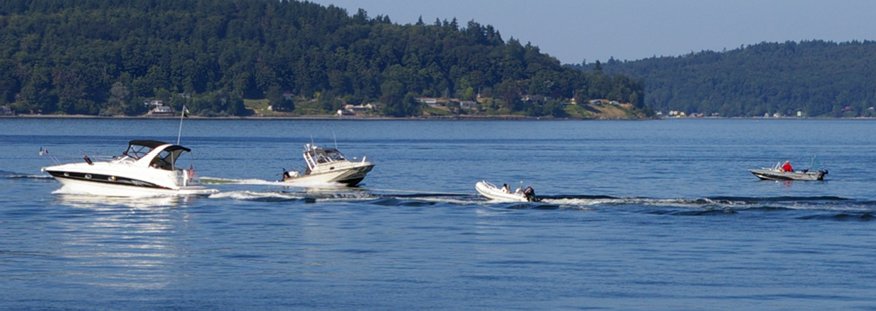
332, 117
383, 118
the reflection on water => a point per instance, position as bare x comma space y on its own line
123, 243
98, 202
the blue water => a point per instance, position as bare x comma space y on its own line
637, 215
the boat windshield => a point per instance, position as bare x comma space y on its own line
325, 155
334, 155
137, 151
167, 158
316, 155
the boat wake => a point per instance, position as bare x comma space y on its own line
231, 181
262, 182
257, 196
712, 203
14, 175
676, 206
398, 197
308, 196
814, 207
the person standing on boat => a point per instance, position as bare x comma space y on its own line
505, 188
787, 167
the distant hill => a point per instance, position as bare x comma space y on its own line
817, 78
108, 57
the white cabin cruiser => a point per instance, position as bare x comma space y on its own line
504, 194
779, 173
146, 168
327, 166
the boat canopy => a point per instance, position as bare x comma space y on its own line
147, 143
137, 149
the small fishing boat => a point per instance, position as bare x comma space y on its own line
779, 173
504, 194
146, 168
326, 166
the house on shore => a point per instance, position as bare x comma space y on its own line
355, 110
158, 109
451, 104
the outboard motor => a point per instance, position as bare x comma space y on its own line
529, 193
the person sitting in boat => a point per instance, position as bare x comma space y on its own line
787, 167
505, 188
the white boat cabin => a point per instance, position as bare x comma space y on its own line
315, 156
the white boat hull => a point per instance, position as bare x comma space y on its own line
73, 186
497, 194
349, 175
774, 174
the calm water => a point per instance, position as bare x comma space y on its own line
637, 215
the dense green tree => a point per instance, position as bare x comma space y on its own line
120, 100
90, 57
816, 78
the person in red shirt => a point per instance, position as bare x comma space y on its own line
787, 167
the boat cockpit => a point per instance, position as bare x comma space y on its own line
316, 155
165, 159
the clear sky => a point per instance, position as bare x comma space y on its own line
577, 30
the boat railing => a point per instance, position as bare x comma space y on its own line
489, 183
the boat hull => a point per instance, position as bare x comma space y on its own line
497, 194
76, 186
349, 176
772, 174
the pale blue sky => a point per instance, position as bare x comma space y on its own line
574, 30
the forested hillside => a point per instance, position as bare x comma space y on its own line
817, 78
108, 56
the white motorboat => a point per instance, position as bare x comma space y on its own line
503, 194
328, 166
146, 168
778, 173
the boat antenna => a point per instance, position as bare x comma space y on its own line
335, 138
182, 115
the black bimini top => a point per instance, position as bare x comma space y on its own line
152, 144
139, 148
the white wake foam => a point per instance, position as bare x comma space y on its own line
262, 182
255, 195
232, 181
